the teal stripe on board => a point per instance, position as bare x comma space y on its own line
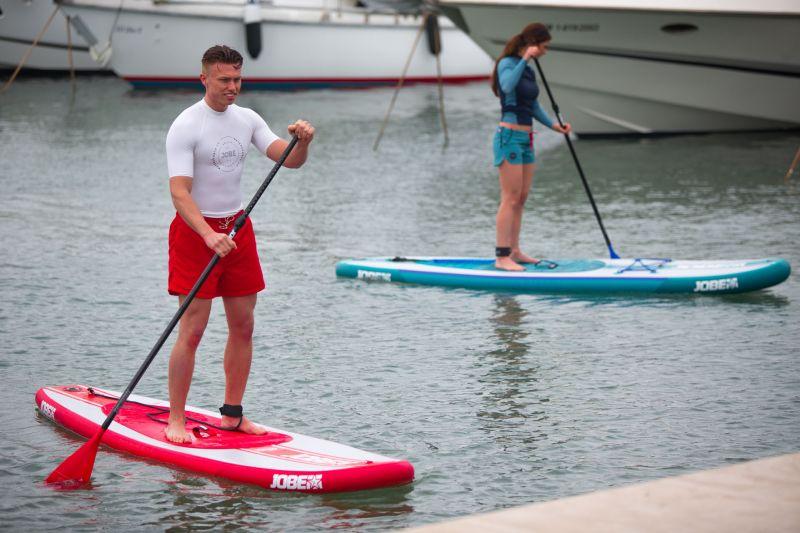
563, 280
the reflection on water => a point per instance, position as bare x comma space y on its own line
507, 322
511, 400
353, 509
193, 509
199, 502
765, 298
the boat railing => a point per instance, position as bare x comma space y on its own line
338, 6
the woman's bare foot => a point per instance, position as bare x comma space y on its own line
506, 263
176, 432
251, 428
520, 257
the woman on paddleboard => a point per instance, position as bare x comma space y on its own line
514, 82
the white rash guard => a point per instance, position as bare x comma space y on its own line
209, 147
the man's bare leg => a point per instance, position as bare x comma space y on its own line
238, 356
181, 366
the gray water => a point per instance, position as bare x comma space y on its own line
497, 399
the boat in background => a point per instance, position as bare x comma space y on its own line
22, 20
657, 67
291, 44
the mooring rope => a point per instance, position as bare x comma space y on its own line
400, 82
441, 99
28, 52
69, 55
792, 166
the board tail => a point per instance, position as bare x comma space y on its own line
76, 470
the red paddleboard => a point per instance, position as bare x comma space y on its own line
277, 460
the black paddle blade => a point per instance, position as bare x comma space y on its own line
76, 470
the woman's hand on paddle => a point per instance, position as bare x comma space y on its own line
220, 243
303, 130
532, 52
566, 128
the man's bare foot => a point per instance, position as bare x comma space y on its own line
176, 432
520, 257
251, 428
506, 263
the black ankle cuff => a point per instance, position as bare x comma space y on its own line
502, 251
231, 410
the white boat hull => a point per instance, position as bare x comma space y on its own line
617, 71
162, 45
22, 20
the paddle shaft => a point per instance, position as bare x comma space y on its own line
201, 280
577, 163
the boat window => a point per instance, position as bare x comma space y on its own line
679, 28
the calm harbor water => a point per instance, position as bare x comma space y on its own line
497, 399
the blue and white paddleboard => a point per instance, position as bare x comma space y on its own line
641, 275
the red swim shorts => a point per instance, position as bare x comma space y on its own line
236, 274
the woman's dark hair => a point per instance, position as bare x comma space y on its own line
532, 34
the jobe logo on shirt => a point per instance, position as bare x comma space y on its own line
227, 154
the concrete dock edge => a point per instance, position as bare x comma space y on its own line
755, 496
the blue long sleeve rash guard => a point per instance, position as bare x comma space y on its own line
519, 93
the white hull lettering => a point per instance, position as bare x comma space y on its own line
296, 482
716, 285
47, 410
377, 276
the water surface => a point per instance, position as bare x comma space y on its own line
497, 399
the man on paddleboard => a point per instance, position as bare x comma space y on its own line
206, 148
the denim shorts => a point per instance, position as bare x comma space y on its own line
514, 146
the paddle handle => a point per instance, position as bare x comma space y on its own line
557, 111
240, 221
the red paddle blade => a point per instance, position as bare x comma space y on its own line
77, 468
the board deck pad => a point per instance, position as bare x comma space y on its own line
141, 418
277, 460
631, 275
545, 267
